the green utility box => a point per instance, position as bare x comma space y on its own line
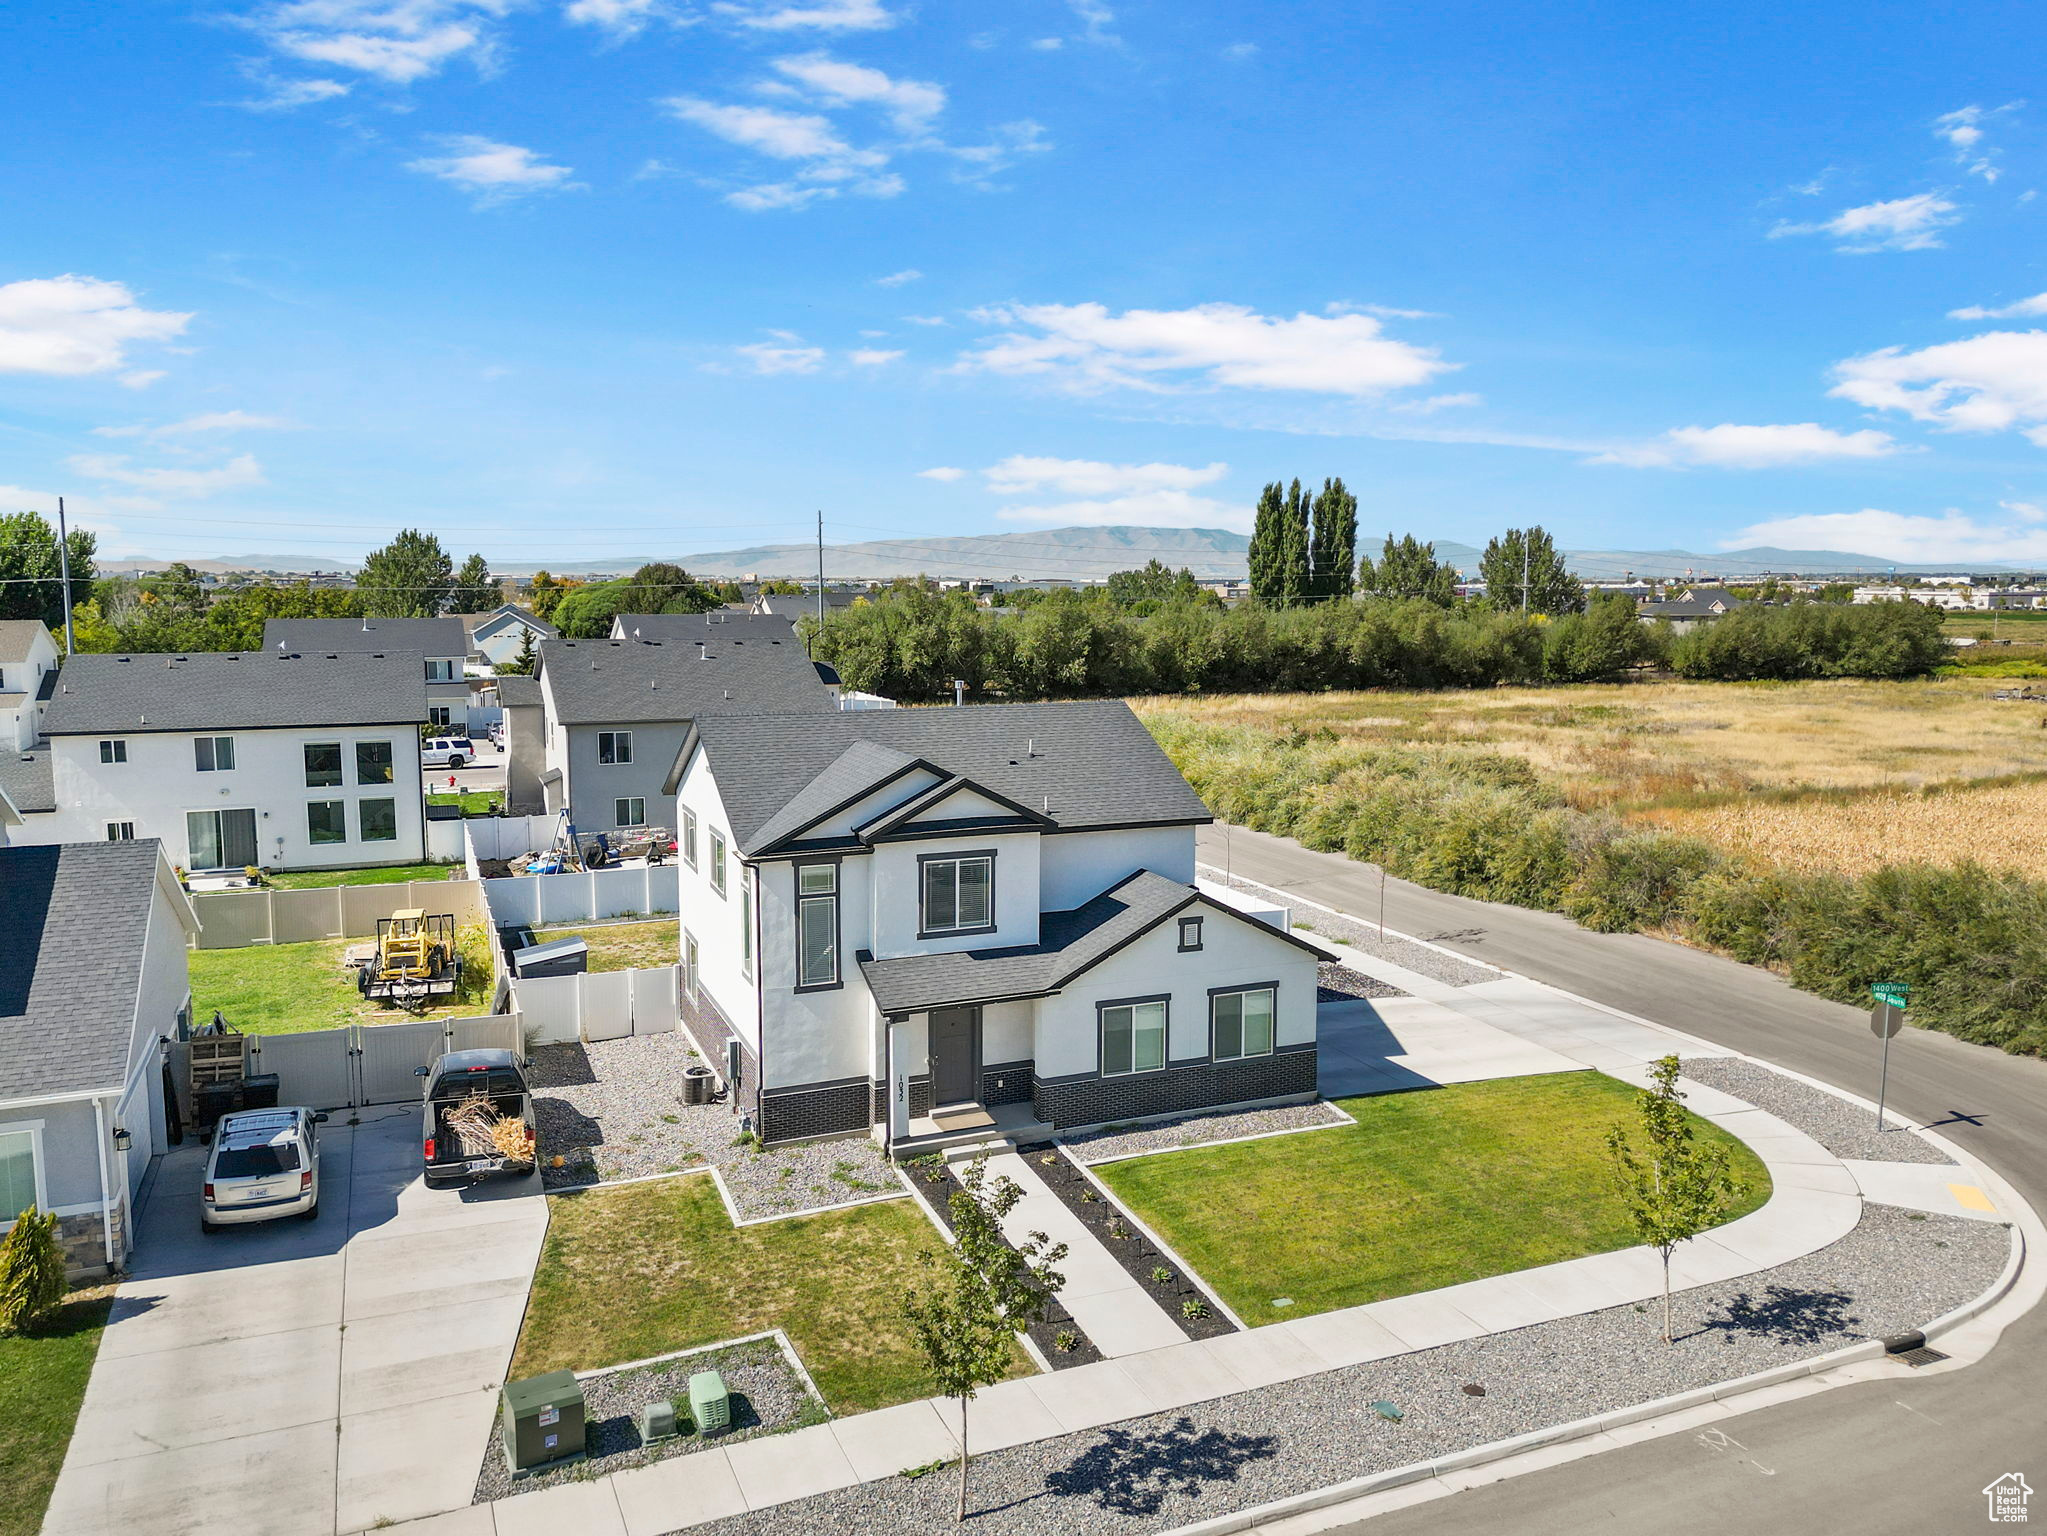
543, 1420
709, 1403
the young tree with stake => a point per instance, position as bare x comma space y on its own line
979, 1294
1674, 1187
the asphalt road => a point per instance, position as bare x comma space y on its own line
1907, 1456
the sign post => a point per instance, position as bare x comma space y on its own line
1885, 1020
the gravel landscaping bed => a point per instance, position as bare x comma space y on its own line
1061, 1340
1334, 983
1153, 1474
613, 1109
1405, 953
1112, 1227
1112, 1142
1844, 1129
767, 1398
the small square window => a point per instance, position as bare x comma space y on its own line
120, 831
630, 812
213, 754
113, 751
614, 746
1190, 933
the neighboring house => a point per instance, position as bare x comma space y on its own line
1691, 608
497, 636
443, 645
699, 626
94, 936
28, 672
617, 711
525, 744
277, 759
916, 922
791, 606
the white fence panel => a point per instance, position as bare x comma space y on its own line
498, 1032
232, 919
315, 1068
504, 837
607, 1004
550, 1005
391, 1055
236, 919
655, 1011
444, 841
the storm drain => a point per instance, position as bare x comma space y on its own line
1913, 1349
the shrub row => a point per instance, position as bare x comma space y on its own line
1970, 944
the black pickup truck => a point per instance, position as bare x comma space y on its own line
450, 1082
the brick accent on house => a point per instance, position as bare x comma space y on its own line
708, 1030
1007, 1082
79, 1238
827, 1110
920, 1098
1095, 1100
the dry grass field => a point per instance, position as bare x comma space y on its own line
1840, 776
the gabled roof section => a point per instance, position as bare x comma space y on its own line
648, 682
235, 690
481, 625
915, 818
25, 776
18, 637
1085, 766
857, 772
429, 637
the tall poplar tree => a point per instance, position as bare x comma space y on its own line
1523, 570
1266, 539
1290, 572
1333, 545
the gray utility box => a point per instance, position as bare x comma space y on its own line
559, 957
543, 1420
658, 1422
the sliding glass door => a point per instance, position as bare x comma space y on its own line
221, 839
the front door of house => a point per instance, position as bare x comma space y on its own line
955, 1034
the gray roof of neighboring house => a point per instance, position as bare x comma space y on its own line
699, 626
25, 776
74, 923
429, 637
1069, 943
498, 618
1088, 764
788, 605
517, 691
16, 636
622, 682
235, 690
1695, 608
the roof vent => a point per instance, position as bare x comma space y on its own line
728, 693
1045, 804
703, 653
1031, 747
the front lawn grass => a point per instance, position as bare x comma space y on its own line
1433, 1187
42, 1382
623, 946
278, 989
385, 874
474, 802
642, 1269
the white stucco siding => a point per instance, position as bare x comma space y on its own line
714, 920
1233, 953
817, 1035
1008, 1033
1075, 867
896, 893
159, 784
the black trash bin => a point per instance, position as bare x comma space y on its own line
696, 1085
212, 1100
259, 1091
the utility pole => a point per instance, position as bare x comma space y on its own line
820, 568
64, 574
1524, 572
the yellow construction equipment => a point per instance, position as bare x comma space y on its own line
416, 959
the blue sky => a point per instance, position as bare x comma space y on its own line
576, 279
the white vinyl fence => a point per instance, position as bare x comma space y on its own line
599, 1005
505, 837
236, 919
362, 1064
589, 896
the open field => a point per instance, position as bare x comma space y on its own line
623, 946
277, 989
1432, 1188
42, 1382
643, 1269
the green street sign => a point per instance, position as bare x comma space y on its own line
1892, 992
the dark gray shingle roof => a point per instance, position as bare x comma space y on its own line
74, 919
429, 637
517, 691
25, 776
701, 626
235, 690
613, 682
1085, 764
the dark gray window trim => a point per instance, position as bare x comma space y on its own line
1246, 986
796, 868
1184, 920
957, 933
1166, 1062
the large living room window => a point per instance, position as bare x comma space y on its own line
958, 894
327, 821
1133, 1036
817, 925
379, 821
1240, 1023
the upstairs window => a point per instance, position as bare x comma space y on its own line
689, 837
373, 762
745, 925
120, 831
817, 925
958, 894
213, 754
614, 746
323, 764
440, 671
717, 861
113, 751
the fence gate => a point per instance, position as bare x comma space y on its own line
388, 1056
316, 1068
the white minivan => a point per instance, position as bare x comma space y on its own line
265, 1163
446, 752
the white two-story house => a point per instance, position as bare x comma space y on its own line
443, 646
28, 665
919, 922
232, 758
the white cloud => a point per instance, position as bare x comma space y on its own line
620, 18
872, 357
74, 325
284, 95
1095, 19
1902, 224
161, 480
1952, 537
910, 104
1729, 446
1435, 403
207, 421
397, 41
1963, 131
139, 378
943, 472
1084, 348
821, 15
782, 359
828, 163
926, 320
1020, 474
897, 279
2036, 305
1994, 382
1009, 140
495, 172
1157, 509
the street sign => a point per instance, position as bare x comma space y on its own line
1892, 992
1885, 1020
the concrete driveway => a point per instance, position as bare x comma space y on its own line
314, 1377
